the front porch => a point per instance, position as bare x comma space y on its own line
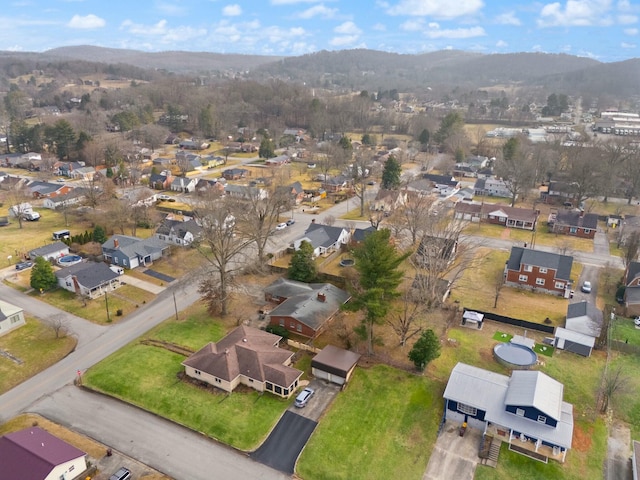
524, 445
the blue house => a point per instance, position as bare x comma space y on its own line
526, 410
132, 252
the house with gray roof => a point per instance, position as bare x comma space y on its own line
35, 454
304, 308
132, 252
574, 223
246, 356
11, 317
178, 232
539, 271
526, 410
184, 184
75, 196
88, 279
324, 239
51, 251
582, 327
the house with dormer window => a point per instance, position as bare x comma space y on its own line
526, 410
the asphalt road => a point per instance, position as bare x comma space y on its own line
165, 446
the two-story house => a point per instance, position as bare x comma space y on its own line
526, 410
178, 232
539, 271
492, 187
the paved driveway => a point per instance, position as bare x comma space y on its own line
136, 282
454, 457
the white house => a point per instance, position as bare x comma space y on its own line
11, 317
324, 239
89, 279
184, 184
35, 454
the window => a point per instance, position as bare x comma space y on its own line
520, 412
467, 409
573, 230
587, 231
71, 468
218, 380
251, 380
540, 281
282, 322
197, 372
528, 268
543, 270
542, 419
292, 324
14, 319
559, 285
299, 327
523, 278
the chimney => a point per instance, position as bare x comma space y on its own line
322, 297
115, 243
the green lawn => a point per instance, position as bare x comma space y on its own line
126, 298
502, 337
36, 346
624, 330
383, 426
147, 376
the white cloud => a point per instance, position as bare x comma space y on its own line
170, 9
434, 25
577, 13
631, 31
318, 11
508, 18
456, 33
436, 8
501, 44
232, 10
379, 27
627, 19
162, 33
347, 28
628, 45
413, 25
86, 22
344, 40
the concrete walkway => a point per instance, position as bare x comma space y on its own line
141, 284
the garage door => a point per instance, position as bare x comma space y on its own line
475, 423
327, 376
455, 416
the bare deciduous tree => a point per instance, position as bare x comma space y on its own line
613, 382
59, 324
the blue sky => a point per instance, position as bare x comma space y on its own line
606, 30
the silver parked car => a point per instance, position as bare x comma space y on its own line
303, 397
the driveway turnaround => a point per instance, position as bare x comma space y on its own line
286, 441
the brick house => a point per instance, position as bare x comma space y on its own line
574, 223
539, 271
510, 217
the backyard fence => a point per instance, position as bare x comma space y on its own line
303, 346
515, 321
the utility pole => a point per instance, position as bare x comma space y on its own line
175, 305
106, 302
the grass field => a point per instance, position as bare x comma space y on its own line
36, 346
476, 290
382, 426
242, 419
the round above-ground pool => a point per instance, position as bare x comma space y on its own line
347, 262
69, 260
515, 356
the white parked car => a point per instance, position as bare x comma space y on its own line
281, 226
586, 287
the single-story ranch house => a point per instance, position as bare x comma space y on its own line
246, 356
132, 252
89, 279
526, 410
52, 251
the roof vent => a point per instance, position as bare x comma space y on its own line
244, 340
226, 351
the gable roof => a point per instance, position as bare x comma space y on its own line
54, 247
43, 188
584, 317
32, 453
359, 234
488, 391
633, 271
337, 359
7, 310
322, 235
526, 256
532, 388
179, 228
313, 307
524, 214
577, 219
246, 351
89, 274
134, 246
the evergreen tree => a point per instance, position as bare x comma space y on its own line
376, 283
391, 174
267, 148
424, 137
302, 266
99, 235
42, 275
426, 348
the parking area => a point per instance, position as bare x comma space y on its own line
324, 394
454, 456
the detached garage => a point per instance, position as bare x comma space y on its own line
334, 364
575, 342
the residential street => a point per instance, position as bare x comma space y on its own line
161, 444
